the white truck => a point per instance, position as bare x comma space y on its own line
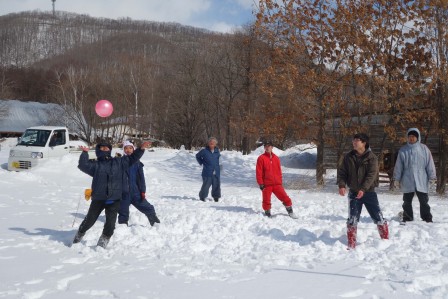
38, 143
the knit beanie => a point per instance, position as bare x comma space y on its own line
413, 133
128, 143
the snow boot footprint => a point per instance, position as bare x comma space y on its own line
103, 241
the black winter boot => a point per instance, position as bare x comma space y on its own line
267, 213
78, 237
103, 241
153, 220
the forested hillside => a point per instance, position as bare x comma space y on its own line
179, 83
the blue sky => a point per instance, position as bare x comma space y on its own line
218, 15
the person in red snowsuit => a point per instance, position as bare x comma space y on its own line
269, 178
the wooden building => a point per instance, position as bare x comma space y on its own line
382, 144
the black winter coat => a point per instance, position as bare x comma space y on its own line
359, 172
107, 183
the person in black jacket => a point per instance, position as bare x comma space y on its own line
107, 187
134, 191
359, 172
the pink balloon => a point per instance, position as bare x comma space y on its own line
104, 108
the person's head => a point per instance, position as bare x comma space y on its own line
360, 142
212, 142
128, 148
413, 136
268, 146
103, 150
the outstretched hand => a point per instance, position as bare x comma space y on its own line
145, 144
84, 148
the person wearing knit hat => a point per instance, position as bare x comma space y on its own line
414, 171
414, 133
134, 191
105, 171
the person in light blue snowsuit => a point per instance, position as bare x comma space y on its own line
134, 191
208, 157
414, 170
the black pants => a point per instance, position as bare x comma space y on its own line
96, 207
425, 209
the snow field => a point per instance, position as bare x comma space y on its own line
211, 250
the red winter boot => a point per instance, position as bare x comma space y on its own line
351, 236
383, 229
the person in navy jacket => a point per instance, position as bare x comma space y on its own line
107, 187
208, 157
134, 191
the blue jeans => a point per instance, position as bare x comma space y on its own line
212, 181
370, 200
140, 204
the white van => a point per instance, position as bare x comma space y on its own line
38, 143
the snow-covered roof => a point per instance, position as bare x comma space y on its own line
22, 115
47, 128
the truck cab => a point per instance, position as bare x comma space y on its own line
38, 143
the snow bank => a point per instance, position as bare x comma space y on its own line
301, 156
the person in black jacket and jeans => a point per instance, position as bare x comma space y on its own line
359, 172
107, 187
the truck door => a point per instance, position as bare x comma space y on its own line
58, 145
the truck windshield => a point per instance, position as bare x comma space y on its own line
34, 137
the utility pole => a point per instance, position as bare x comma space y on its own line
54, 12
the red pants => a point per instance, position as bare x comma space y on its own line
279, 192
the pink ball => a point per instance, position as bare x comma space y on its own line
104, 108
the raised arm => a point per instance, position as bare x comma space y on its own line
137, 154
84, 164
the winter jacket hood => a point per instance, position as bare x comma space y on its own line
103, 155
359, 173
414, 166
210, 161
269, 170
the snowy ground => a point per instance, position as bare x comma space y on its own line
211, 250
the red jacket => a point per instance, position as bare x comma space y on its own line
269, 171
